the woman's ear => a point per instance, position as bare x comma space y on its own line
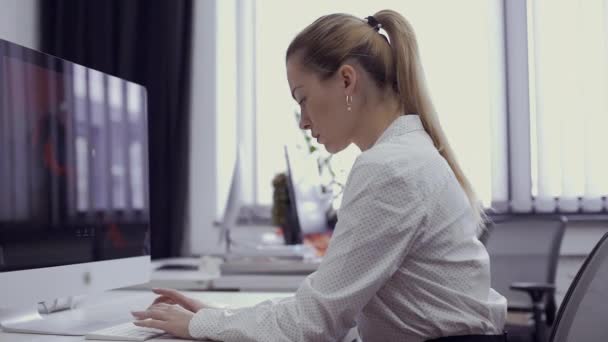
348, 77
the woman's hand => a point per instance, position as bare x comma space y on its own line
171, 311
169, 296
172, 318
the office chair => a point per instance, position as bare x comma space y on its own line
524, 251
584, 312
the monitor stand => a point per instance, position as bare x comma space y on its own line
51, 318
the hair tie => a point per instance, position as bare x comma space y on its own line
371, 21
375, 24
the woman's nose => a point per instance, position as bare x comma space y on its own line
304, 123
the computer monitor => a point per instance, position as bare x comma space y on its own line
232, 206
308, 204
74, 208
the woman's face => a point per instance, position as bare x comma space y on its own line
322, 105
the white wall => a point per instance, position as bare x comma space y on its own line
213, 122
201, 204
19, 22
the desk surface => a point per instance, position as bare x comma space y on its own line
123, 301
200, 280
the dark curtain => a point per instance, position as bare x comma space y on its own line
147, 42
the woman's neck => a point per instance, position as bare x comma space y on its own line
374, 121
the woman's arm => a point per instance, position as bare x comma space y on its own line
378, 221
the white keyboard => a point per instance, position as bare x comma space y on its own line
124, 332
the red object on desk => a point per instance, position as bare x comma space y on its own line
319, 241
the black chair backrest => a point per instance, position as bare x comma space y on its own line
583, 315
523, 248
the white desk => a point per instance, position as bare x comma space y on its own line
121, 302
201, 281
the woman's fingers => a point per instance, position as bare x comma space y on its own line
150, 313
178, 298
161, 300
173, 319
151, 323
164, 299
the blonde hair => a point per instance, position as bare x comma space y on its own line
332, 39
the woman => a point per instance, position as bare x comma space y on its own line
404, 262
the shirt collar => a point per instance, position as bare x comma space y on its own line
401, 125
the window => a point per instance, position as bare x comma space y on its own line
568, 58
460, 49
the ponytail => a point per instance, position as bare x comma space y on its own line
415, 98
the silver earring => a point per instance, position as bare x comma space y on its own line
349, 102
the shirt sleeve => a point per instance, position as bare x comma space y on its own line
378, 220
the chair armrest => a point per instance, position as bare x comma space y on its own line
535, 290
544, 287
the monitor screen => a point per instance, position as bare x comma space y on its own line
73, 163
308, 205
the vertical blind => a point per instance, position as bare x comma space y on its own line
568, 73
